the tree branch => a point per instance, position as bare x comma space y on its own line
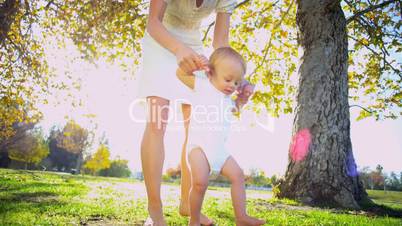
268, 45
207, 31
8, 10
365, 109
398, 72
212, 24
48, 4
369, 9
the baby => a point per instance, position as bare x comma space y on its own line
211, 114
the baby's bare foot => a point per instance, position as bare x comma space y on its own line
249, 221
203, 219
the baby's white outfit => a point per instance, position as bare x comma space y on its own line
211, 117
182, 18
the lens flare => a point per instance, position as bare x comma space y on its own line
351, 168
300, 145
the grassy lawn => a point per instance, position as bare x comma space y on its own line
47, 198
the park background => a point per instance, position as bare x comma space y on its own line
69, 79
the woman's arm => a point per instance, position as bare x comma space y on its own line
221, 31
186, 57
221, 39
156, 29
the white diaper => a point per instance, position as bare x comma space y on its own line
216, 156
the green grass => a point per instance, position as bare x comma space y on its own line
388, 198
46, 198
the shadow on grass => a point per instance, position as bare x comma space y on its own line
29, 196
11, 187
29, 201
368, 207
374, 209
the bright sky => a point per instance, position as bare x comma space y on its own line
257, 141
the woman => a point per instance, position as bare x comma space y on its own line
173, 39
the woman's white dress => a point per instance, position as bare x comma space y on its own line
182, 18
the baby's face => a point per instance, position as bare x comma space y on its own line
227, 75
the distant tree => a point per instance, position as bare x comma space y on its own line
14, 126
9, 136
31, 149
379, 168
67, 146
257, 177
378, 178
174, 172
364, 175
118, 168
274, 180
59, 158
400, 177
74, 139
100, 160
4, 160
393, 182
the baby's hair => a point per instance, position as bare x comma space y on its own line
226, 52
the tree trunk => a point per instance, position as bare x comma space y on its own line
78, 163
321, 169
8, 9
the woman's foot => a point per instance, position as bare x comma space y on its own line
249, 221
150, 222
155, 216
203, 219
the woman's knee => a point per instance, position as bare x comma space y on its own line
155, 128
157, 115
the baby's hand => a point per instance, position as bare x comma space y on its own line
245, 90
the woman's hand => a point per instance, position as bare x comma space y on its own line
188, 60
204, 63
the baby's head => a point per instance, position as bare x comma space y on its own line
227, 69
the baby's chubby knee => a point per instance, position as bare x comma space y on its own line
238, 176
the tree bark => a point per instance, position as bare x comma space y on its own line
78, 163
8, 9
325, 174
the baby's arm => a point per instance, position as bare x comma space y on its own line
187, 79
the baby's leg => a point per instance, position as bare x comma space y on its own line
235, 174
199, 168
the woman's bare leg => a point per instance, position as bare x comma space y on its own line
153, 154
185, 182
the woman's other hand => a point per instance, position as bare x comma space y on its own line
188, 60
204, 63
